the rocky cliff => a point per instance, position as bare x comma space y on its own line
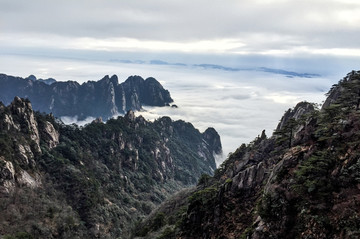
60, 181
103, 98
303, 182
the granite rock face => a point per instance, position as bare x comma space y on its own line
96, 181
213, 139
299, 110
104, 98
302, 182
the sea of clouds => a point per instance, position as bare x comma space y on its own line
238, 104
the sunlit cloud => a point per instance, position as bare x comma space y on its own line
282, 98
251, 46
216, 46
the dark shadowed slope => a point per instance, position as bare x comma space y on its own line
103, 98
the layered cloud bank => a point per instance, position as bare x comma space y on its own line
238, 104
266, 27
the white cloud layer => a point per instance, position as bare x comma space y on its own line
239, 105
74, 120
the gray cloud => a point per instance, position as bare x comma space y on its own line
259, 25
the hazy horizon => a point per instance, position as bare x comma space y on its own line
238, 104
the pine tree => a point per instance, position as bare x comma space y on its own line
285, 134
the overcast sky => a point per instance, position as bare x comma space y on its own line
238, 104
271, 27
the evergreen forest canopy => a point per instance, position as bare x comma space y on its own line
65, 181
303, 182
59, 181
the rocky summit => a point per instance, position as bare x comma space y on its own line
104, 98
302, 182
96, 181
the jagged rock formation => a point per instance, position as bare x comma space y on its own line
61, 181
212, 138
303, 182
299, 110
343, 88
103, 98
48, 81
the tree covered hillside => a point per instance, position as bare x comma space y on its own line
97, 181
303, 182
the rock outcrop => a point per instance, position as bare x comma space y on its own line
340, 89
303, 182
104, 98
213, 140
96, 181
299, 110
7, 176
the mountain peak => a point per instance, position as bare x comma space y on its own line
299, 110
337, 90
32, 77
21, 105
130, 115
85, 180
114, 80
303, 182
212, 137
103, 98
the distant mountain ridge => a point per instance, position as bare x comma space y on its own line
286, 73
103, 98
